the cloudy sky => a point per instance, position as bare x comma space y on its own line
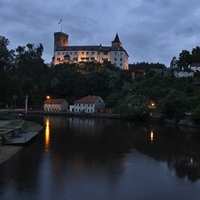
150, 30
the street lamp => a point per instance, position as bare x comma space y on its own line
48, 97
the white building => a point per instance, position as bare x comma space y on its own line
183, 73
88, 104
115, 53
195, 67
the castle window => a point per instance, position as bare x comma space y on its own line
115, 59
92, 52
58, 53
82, 52
120, 59
115, 53
105, 53
58, 59
87, 53
63, 40
120, 64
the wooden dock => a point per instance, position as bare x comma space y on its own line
23, 139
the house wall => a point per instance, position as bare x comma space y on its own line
82, 107
194, 68
118, 58
56, 107
183, 74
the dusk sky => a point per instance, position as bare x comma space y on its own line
150, 30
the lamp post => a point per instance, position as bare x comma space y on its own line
48, 97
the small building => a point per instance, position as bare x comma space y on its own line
183, 73
195, 67
89, 104
55, 105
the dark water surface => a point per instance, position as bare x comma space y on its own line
76, 158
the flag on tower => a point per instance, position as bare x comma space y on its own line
60, 21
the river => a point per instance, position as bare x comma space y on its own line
104, 159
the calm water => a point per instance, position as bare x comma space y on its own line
75, 158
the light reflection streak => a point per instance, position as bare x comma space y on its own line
47, 134
151, 137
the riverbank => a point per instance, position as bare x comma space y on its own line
7, 151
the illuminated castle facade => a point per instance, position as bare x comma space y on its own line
115, 53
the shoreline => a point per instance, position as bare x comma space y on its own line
7, 151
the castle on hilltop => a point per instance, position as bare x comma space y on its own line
115, 53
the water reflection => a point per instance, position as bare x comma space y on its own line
99, 156
47, 132
151, 137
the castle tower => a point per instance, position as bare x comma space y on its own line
60, 40
116, 42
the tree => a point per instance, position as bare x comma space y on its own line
196, 55
134, 106
195, 117
7, 77
185, 59
31, 70
174, 105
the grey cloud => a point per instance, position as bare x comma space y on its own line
150, 30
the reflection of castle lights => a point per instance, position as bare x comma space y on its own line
47, 134
191, 160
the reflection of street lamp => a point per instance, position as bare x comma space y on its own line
47, 134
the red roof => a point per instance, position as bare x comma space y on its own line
88, 99
54, 101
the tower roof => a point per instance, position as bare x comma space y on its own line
116, 38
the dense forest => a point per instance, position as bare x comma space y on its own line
25, 76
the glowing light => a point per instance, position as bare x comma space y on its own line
151, 135
47, 134
191, 160
48, 97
